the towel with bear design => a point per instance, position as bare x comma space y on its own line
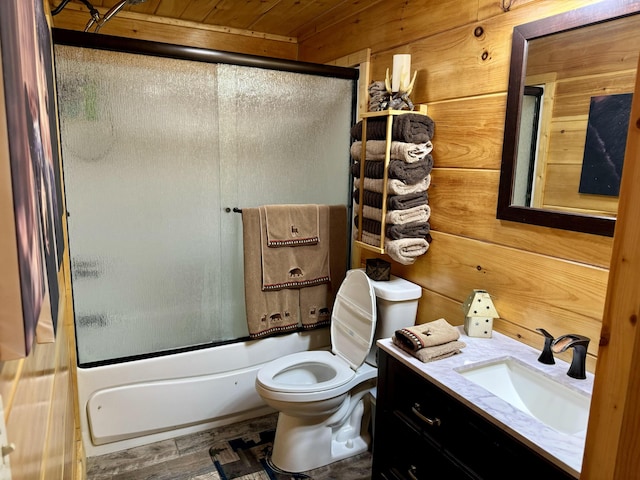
429, 341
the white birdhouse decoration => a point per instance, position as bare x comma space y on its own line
479, 314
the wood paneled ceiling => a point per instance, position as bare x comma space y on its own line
289, 18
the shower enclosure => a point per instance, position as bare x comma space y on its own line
161, 148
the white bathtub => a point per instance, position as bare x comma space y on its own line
144, 401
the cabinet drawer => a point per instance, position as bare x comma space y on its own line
411, 456
420, 404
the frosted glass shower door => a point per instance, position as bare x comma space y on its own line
156, 154
141, 166
284, 138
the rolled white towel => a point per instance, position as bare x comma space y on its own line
368, 238
420, 213
376, 149
396, 187
370, 212
406, 250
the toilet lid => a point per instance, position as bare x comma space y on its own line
353, 322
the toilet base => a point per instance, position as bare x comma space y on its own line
306, 443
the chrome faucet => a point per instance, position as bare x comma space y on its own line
579, 343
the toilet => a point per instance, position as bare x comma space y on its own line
323, 397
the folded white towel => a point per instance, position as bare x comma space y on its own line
369, 212
406, 250
420, 213
396, 187
368, 238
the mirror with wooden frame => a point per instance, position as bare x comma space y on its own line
570, 86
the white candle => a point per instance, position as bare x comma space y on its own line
401, 72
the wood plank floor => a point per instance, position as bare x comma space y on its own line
187, 458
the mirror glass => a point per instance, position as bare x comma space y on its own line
571, 81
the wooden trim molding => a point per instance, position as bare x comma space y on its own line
614, 420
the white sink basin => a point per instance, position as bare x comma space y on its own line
531, 391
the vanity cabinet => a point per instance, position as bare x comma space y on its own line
422, 432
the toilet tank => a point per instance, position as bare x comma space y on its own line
397, 306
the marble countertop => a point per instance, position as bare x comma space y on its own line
564, 450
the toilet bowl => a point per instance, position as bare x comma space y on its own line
322, 396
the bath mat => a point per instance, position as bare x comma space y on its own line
248, 458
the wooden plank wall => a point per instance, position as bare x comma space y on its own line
38, 393
538, 277
591, 67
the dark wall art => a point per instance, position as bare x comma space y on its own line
34, 160
605, 144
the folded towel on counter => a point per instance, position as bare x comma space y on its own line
377, 149
408, 127
427, 334
438, 352
291, 225
296, 267
406, 250
394, 202
395, 186
409, 173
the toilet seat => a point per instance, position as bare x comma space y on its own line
281, 374
353, 323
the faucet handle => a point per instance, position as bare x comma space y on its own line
544, 332
546, 356
563, 342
